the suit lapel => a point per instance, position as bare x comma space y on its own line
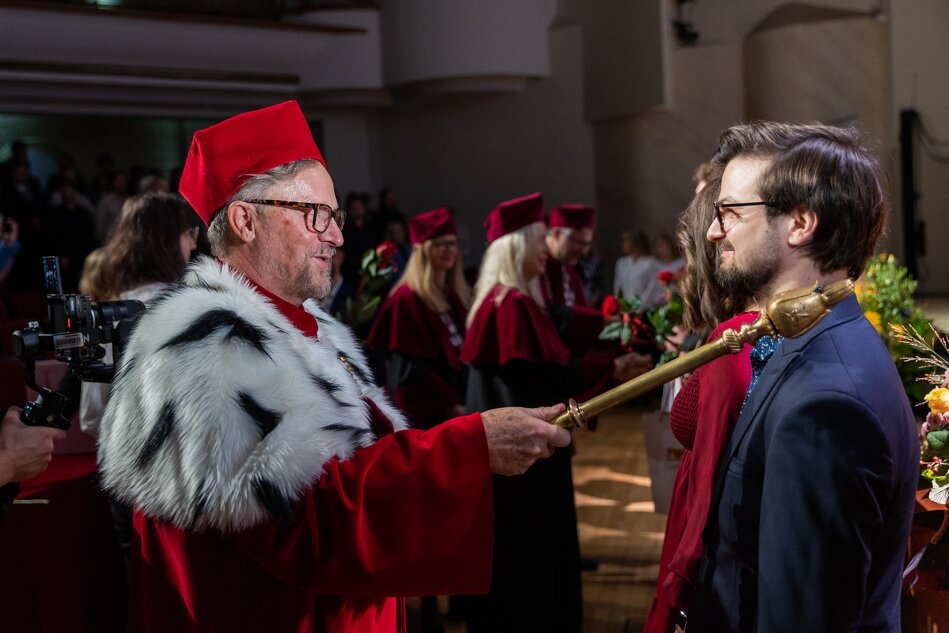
780, 362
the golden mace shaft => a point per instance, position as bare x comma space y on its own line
790, 313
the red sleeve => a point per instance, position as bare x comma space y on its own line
409, 515
583, 329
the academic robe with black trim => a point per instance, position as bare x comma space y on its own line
577, 321
275, 487
518, 359
423, 369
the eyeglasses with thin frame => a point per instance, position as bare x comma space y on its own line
720, 216
321, 213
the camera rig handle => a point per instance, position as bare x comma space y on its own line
47, 408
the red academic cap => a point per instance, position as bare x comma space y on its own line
224, 156
431, 224
514, 214
572, 216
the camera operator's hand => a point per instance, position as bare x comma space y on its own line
25, 451
518, 437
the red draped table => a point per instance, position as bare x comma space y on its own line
925, 610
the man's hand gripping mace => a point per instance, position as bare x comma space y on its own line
790, 314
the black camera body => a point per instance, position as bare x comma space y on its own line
78, 327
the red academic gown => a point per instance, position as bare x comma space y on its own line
408, 515
423, 367
578, 322
517, 358
702, 418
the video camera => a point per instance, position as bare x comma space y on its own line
77, 329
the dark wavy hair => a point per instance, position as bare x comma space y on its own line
825, 169
146, 244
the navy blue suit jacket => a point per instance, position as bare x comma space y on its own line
811, 511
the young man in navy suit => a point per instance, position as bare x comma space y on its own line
813, 497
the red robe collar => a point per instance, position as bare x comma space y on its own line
405, 324
301, 319
517, 329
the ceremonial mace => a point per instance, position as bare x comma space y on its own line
790, 313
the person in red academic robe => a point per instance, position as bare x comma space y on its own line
569, 235
517, 356
275, 486
703, 413
421, 325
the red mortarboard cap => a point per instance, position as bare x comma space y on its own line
572, 216
514, 214
431, 224
223, 156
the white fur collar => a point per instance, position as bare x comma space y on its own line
223, 413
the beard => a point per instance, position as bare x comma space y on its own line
319, 287
757, 270
300, 281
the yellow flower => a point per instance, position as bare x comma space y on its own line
938, 400
897, 328
874, 319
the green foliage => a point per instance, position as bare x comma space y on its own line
886, 296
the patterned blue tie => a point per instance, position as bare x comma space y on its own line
761, 353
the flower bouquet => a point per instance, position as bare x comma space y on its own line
376, 273
928, 567
654, 329
666, 318
624, 322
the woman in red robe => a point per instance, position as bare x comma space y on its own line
518, 357
421, 325
703, 414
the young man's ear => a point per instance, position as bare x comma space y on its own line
244, 220
802, 224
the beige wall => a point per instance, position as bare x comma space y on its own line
471, 153
920, 80
644, 163
833, 71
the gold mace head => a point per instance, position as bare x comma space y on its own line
794, 312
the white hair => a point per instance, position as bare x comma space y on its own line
256, 187
503, 264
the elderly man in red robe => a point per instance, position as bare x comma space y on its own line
275, 486
569, 235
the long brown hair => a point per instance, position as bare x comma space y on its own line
146, 244
419, 275
704, 303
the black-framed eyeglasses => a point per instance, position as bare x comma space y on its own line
720, 216
321, 215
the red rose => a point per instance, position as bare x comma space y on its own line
610, 306
386, 251
666, 277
